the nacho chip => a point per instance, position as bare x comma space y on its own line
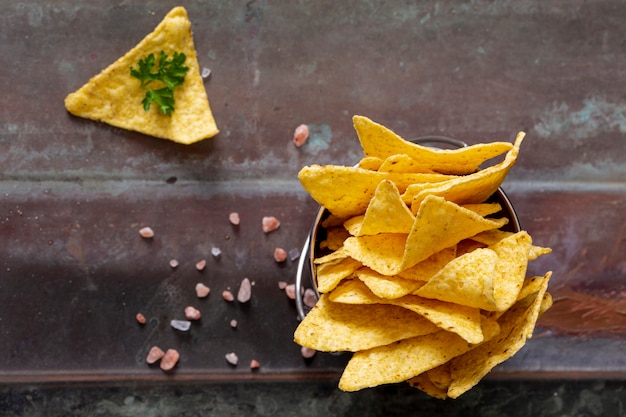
462, 320
510, 269
387, 287
378, 141
426, 269
516, 326
404, 164
370, 162
386, 213
330, 274
483, 209
347, 191
473, 188
383, 252
423, 383
406, 358
335, 236
335, 327
467, 280
114, 97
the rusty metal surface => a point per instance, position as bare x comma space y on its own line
73, 193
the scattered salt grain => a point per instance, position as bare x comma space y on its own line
294, 254
310, 298
170, 359
216, 252
202, 290
307, 353
192, 313
173, 263
227, 295
290, 290
270, 223
254, 364
205, 72
245, 291
146, 232
280, 255
300, 135
282, 285
141, 319
182, 325
233, 323
200, 265
155, 354
234, 218
232, 358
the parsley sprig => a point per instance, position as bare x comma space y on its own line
169, 74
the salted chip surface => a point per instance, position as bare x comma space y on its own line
516, 326
114, 97
381, 142
405, 359
337, 327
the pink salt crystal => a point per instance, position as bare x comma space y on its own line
233, 323
234, 218
173, 263
146, 232
245, 291
290, 290
300, 135
154, 355
270, 223
170, 359
192, 313
232, 358
201, 265
254, 364
280, 255
282, 285
307, 353
141, 319
227, 295
202, 290
310, 298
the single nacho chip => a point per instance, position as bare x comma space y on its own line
406, 358
387, 287
114, 97
510, 269
379, 141
516, 326
336, 327
404, 164
329, 274
386, 213
423, 383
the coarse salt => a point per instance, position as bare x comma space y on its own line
234, 218
232, 358
245, 291
270, 223
146, 232
202, 290
280, 255
300, 135
192, 313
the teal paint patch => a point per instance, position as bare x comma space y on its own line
320, 137
596, 116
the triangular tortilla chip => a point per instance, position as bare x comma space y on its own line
386, 213
379, 141
114, 96
336, 327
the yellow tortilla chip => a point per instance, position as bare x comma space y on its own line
114, 97
483, 209
426, 269
347, 191
382, 253
370, 162
510, 269
329, 274
387, 287
335, 236
406, 358
423, 383
386, 213
336, 327
404, 163
467, 280
472, 188
379, 141
462, 320
516, 326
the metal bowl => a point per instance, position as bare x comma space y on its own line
311, 249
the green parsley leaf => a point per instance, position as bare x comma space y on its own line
169, 74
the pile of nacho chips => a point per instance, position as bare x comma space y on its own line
419, 279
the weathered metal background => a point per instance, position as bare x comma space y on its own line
74, 193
